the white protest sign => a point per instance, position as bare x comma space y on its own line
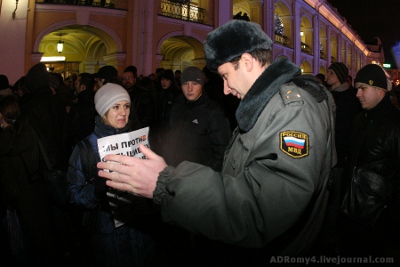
122, 144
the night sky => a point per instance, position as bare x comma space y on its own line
373, 18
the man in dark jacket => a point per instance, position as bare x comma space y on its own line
142, 103
166, 95
271, 193
81, 117
375, 149
40, 111
347, 107
198, 128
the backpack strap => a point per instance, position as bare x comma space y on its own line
88, 160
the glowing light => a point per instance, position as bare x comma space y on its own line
52, 59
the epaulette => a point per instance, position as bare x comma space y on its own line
290, 94
310, 84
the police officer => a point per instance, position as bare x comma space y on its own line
271, 191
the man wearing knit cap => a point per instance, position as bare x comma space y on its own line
270, 193
198, 127
142, 106
370, 223
347, 107
198, 131
167, 93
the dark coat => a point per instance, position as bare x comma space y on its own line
142, 105
41, 111
268, 194
198, 132
22, 188
164, 101
376, 145
347, 107
214, 88
81, 118
121, 246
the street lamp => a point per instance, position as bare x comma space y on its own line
60, 44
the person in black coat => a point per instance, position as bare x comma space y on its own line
81, 117
142, 105
375, 148
40, 111
347, 107
166, 95
198, 129
23, 189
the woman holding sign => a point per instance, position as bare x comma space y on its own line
107, 212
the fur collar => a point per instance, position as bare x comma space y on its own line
278, 73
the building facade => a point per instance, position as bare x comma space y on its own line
167, 34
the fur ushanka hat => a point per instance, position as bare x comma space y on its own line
233, 39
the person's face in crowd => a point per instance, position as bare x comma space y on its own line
332, 79
20, 92
192, 90
369, 96
77, 82
165, 83
234, 79
128, 80
99, 82
118, 115
78, 87
3, 123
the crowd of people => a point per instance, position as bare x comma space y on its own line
248, 160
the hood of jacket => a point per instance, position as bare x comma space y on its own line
278, 73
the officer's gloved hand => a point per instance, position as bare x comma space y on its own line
100, 188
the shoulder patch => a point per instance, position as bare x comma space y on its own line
294, 143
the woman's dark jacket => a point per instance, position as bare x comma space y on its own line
198, 132
116, 241
81, 193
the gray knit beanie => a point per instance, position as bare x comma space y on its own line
108, 95
192, 74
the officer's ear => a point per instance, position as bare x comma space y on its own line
248, 61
